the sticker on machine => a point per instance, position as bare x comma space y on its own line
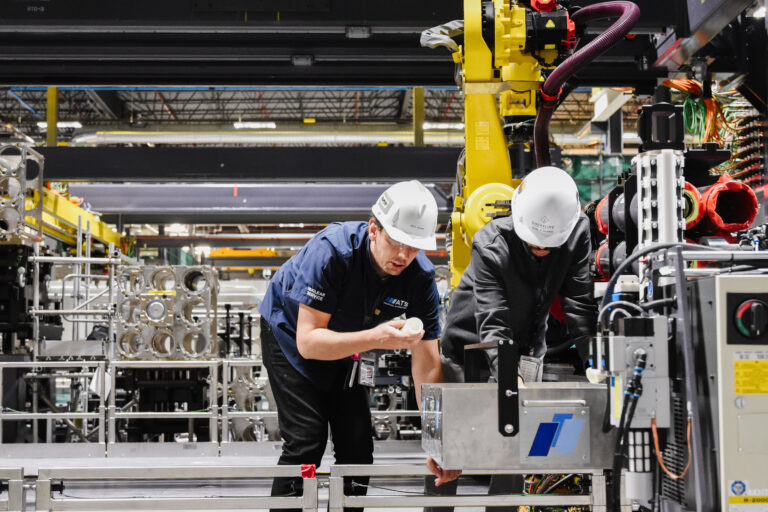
742, 498
750, 372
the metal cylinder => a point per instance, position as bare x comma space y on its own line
660, 191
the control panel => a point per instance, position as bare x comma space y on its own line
742, 353
748, 318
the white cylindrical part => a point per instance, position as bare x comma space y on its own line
639, 486
669, 189
413, 325
660, 192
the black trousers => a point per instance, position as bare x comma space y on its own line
304, 413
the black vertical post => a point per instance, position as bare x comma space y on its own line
162, 252
250, 335
615, 133
508, 398
228, 331
241, 336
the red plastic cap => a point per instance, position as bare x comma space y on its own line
598, 266
570, 38
600, 218
694, 204
308, 471
543, 5
730, 206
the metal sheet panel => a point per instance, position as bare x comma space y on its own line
460, 427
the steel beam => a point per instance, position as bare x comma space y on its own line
237, 204
251, 164
351, 42
108, 102
436, 257
216, 43
235, 240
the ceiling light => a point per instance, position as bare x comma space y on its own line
202, 250
60, 124
254, 125
442, 126
176, 229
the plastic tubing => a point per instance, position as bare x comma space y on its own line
729, 206
693, 207
602, 260
628, 14
601, 215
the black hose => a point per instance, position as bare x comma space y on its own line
638, 254
615, 503
607, 411
628, 14
669, 301
616, 303
633, 392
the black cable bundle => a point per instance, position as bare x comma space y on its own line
631, 396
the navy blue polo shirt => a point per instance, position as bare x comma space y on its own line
334, 273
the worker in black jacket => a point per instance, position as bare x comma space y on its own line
519, 265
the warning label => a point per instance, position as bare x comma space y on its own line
482, 136
750, 376
735, 500
748, 504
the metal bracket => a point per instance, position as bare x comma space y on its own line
509, 402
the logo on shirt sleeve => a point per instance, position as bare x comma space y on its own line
315, 294
397, 303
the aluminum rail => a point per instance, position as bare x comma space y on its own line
724, 255
74, 312
46, 502
338, 500
212, 412
273, 414
69, 260
48, 415
152, 415
15, 479
34, 365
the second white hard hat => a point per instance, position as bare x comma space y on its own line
408, 213
545, 207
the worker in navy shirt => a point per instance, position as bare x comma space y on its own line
337, 297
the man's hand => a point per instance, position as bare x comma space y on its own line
441, 475
388, 336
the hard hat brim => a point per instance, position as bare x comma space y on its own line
427, 243
551, 241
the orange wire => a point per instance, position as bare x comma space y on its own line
658, 451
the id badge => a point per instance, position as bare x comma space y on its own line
352, 370
531, 368
367, 369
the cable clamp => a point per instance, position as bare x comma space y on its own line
550, 99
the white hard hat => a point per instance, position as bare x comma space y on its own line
545, 207
408, 213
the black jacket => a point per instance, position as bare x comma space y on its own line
506, 292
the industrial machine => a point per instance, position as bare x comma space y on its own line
675, 401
